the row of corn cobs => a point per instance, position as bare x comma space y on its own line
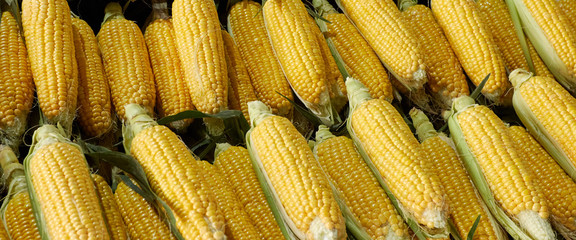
380, 183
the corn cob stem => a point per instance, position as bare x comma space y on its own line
13, 171
160, 9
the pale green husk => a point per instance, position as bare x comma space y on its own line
536, 128
477, 176
357, 94
543, 46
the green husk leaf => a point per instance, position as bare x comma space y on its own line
539, 132
477, 177
305, 112
543, 46
473, 228
271, 198
478, 90
520, 33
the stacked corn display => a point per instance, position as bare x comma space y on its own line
280, 64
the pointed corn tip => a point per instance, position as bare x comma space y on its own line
536, 226
519, 76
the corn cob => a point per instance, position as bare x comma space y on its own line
465, 204
299, 53
246, 25
111, 211
234, 163
241, 91
384, 29
142, 222
239, 224
57, 169
298, 184
4, 233
362, 192
490, 155
17, 215
360, 60
553, 37
161, 153
559, 190
201, 50
498, 21
94, 115
172, 92
569, 9
549, 112
539, 66
397, 156
445, 77
334, 79
126, 61
473, 44
49, 39
16, 81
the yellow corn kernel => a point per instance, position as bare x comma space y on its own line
381, 24
445, 77
473, 44
19, 218
202, 53
296, 177
142, 222
498, 21
64, 191
238, 224
49, 39
172, 92
241, 91
465, 203
512, 184
161, 154
111, 212
298, 51
362, 193
361, 61
569, 9
539, 66
94, 107
126, 62
557, 186
246, 25
15, 81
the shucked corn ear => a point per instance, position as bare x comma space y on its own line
56, 169
234, 163
381, 24
445, 77
557, 186
240, 91
549, 113
112, 213
238, 224
569, 9
359, 58
142, 222
173, 95
498, 21
553, 37
16, 81
47, 28
298, 185
505, 183
126, 61
17, 211
382, 135
299, 53
473, 44
540, 68
465, 203
246, 25
201, 50
161, 154
361, 191
94, 103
